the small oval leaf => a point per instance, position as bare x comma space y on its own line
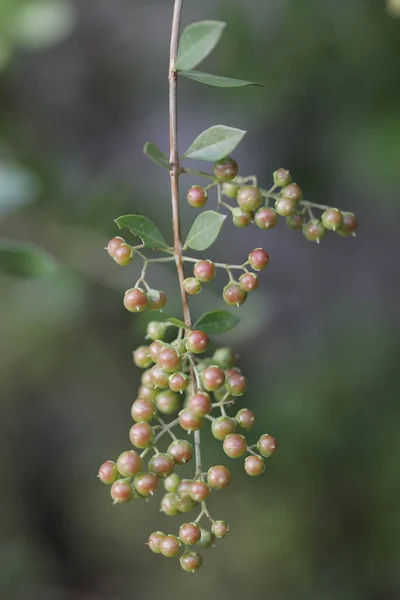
25, 260
204, 230
196, 42
216, 80
143, 228
215, 143
177, 323
217, 321
156, 155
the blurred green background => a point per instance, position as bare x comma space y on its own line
82, 88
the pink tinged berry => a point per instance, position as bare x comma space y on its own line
159, 377
248, 282
161, 465
197, 341
332, 219
156, 299
145, 484
267, 445
123, 255
236, 384
245, 418
349, 225
169, 546
230, 189
143, 410
258, 259
293, 191
207, 538
113, 244
168, 402
218, 477
199, 404
234, 295
142, 358
155, 349
197, 196
155, 541
183, 488
168, 505
213, 378
225, 169
249, 197
181, 451
241, 217
266, 218
282, 177
171, 482
189, 533
235, 445
220, 529
121, 491
147, 392
135, 300
146, 379
141, 435
191, 561
192, 286
129, 463
108, 472
254, 465
190, 422
178, 382
295, 221
169, 360
314, 231
223, 426
199, 491
204, 270
286, 206
185, 505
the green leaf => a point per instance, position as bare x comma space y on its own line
215, 143
143, 228
217, 321
156, 155
197, 41
25, 260
177, 323
216, 80
204, 230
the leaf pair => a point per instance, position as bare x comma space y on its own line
212, 322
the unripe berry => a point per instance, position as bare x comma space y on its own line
168, 505
204, 270
248, 282
181, 451
192, 286
146, 379
183, 488
185, 505
129, 463
155, 349
121, 491
313, 230
282, 177
171, 482
156, 299
197, 196
191, 561
254, 465
197, 341
149, 393
159, 377
142, 358
199, 404
169, 546
168, 402
286, 206
218, 477
236, 384
123, 255
224, 357
190, 422
245, 418
169, 360
249, 197
213, 378
235, 445
155, 541
292, 191
199, 491
156, 330
230, 189
135, 300
220, 529
225, 169
207, 538
258, 259
295, 221
223, 426
143, 410
161, 464
349, 225
145, 484
266, 218
233, 294
203, 364
266, 445
178, 382
332, 219
113, 244
141, 435
108, 472
189, 533
241, 217
221, 395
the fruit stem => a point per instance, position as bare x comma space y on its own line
198, 173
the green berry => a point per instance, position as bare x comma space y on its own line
156, 330
349, 225
225, 169
181, 451
161, 464
222, 426
192, 286
282, 177
168, 505
142, 358
267, 445
292, 191
230, 189
266, 218
178, 382
241, 217
206, 539
295, 221
249, 197
108, 472
156, 299
191, 561
286, 206
245, 418
155, 541
220, 528
254, 465
233, 294
332, 219
224, 358
168, 402
313, 230
171, 482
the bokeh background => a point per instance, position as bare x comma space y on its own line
82, 88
